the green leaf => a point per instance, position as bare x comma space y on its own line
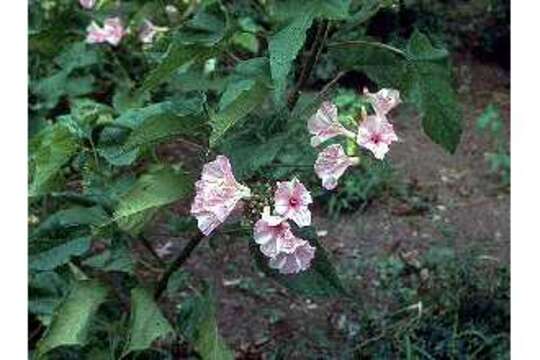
58, 255
69, 219
320, 280
433, 93
50, 150
248, 95
73, 317
284, 47
177, 56
116, 258
204, 28
153, 190
248, 156
197, 322
147, 323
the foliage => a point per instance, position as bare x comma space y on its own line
219, 78
490, 122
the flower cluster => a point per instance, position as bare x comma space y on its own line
374, 133
112, 32
218, 194
286, 252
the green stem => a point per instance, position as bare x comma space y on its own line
356, 43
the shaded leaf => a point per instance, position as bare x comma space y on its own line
50, 150
72, 318
153, 190
147, 323
58, 255
197, 322
247, 97
283, 48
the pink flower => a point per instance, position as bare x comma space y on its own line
148, 32
375, 133
331, 164
111, 32
324, 124
291, 201
95, 34
297, 260
87, 4
217, 194
114, 30
273, 234
384, 100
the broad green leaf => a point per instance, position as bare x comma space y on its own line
283, 48
248, 156
197, 322
204, 28
176, 57
58, 255
160, 129
283, 11
247, 97
152, 191
46, 289
73, 317
70, 219
147, 323
320, 280
433, 93
50, 150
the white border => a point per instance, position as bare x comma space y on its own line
13, 162
525, 249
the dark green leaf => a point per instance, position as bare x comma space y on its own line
147, 323
153, 190
197, 321
73, 317
59, 255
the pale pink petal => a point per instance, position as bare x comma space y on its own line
325, 125
384, 100
331, 164
376, 134
269, 231
291, 201
87, 4
217, 194
114, 30
95, 34
292, 263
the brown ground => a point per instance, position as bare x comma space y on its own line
468, 206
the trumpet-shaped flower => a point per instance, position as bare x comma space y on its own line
87, 4
384, 100
299, 259
324, 124
291, 201
331, 164
217, 194
375, 133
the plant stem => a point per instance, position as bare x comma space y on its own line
369, 43
177, 263
309, 61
